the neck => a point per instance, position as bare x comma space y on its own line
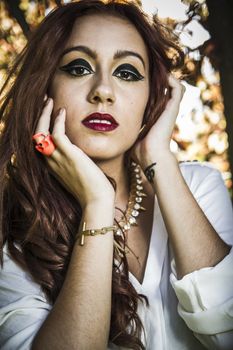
115, 169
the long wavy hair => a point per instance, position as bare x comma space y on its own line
39, 218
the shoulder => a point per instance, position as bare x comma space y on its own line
208, 188
16, 281
196, 168
195, 172
23, 306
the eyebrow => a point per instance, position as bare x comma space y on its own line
93, 54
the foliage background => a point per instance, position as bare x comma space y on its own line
203, 133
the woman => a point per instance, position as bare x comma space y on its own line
94, 214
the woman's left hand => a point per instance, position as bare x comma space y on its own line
156, 143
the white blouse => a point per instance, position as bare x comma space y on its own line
193, 313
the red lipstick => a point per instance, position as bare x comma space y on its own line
100, 122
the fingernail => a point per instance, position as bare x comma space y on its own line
45, 97
48, 100
61, 111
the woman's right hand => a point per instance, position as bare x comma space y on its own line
71, 166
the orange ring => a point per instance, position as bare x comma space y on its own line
44, 144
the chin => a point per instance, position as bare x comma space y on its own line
102, 154
102, 149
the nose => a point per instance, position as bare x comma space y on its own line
101, 91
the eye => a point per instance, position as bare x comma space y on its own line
128, 72
77, 68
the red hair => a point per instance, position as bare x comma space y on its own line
43, 220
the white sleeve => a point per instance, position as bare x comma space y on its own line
206, 296
23, 307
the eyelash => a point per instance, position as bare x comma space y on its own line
74, 69
71, 69
134, 76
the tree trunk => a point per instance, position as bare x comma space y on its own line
220, 23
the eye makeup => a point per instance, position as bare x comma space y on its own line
80, 67
75, 63
125, 70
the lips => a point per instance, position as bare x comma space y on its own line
100, 122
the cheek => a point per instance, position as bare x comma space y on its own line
62, 92
137, 104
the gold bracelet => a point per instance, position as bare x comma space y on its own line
94, 232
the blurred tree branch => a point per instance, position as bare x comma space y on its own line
14, 11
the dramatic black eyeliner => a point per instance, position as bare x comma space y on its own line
78, 63
128, 68
72, 67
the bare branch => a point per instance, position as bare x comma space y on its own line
14, 11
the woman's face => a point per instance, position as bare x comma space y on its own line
103, 70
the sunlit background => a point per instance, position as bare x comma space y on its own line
200, 129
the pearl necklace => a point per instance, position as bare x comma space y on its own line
134, 206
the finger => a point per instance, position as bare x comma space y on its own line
176, 95
59, 123
44, 121
178, 89
52, 162
60, 139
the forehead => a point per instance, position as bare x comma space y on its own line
108, 33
